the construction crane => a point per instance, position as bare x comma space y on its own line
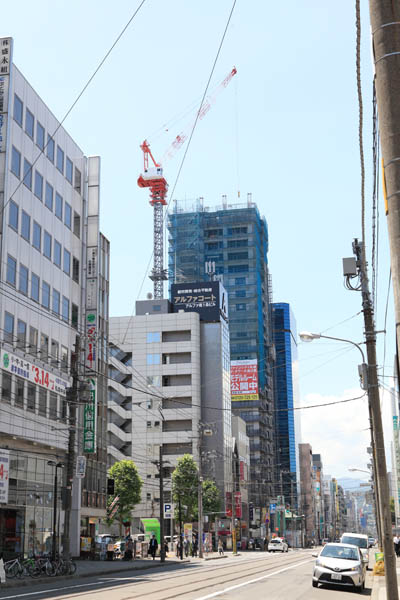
154, 179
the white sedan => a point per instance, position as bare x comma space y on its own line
278, 545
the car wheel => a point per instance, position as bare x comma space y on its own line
314, 583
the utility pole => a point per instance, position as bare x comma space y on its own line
180, 530
376, 417
385, 27
200, 493
72, 401
162, 546
292, 509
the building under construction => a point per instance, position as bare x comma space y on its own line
234, 238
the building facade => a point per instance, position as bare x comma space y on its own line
44, 205
233, 240
307, 492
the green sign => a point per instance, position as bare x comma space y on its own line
89, 420
6, 360
151, 526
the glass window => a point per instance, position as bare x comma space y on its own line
64, 359
50, 148
56, 302
78, 180
240, 293
65, 309
74, 315
11, 270
29, 123
240, 306
68, 215
21, 334
60, 160
35, 287
31, 397
55, 349
68, 169
16, 162
153, 359
27, 174
8, 327
154, 380
75, 269
42, 402
37, 236
59, 206
23, 279
19, 392
26, 226
77, 225
53, 406
38, 186
5, 387
33, 340
18, 109
67, 262
57, 253
39, 135
153, 336
47, 244
13, 215
45, 295
44, 346
48, 199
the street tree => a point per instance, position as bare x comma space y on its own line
185, 480
127, 486
211, 497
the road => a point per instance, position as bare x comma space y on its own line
245, 577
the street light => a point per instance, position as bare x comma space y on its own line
56, 465
361, 470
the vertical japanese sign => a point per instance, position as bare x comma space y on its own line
238, 505
89, 420
228, 504
244, 380
4, 471
6, 45
91, 334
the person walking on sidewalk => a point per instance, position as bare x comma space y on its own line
220, 547
396, 542
153, 546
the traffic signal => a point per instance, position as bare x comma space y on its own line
110, 487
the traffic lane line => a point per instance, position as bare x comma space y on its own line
250, 581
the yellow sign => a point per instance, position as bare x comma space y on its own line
188, 530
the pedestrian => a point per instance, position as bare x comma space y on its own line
153, 546
396, 542
166, 547
194, 546
220, 547
186, 547
129, 549
178, 547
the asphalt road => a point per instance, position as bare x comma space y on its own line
246, 577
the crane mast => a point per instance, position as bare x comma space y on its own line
153, 178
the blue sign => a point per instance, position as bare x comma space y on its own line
272, 508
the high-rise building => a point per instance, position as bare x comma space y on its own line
233, 241
53, 288
287, 420
319, 496
307, 491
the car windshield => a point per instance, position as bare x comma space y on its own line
276, 541
340, 552
356, 541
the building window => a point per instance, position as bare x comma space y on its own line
16, 162
45, 295
65, 309
55, 350
74, 315
44, 347
60, 160
23, 279
241, 306
33, 340
48, 200
67, 262
78, 180
53, 406
56, 302
68, 215
18, 110
42, 402
35, 287
31, 397
50, 148
13, 212
77, 225
26, 226
8, 328
75, 269
21, 334
39, 135
19, 392
68, 169
154, 380
6, 387
57, 253
27, 174
153, 359
38, 186
240, 293
47, 241
64, 359
153, 336
11, 270
29, 123
59, 206
37, 236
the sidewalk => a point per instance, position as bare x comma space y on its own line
378, 583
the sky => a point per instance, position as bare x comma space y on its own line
285, 130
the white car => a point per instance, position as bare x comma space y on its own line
360, 540
340, 564
278, 545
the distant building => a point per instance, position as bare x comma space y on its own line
319, 496
307, 492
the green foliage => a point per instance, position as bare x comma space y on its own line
127, 485
184, 487
211, 497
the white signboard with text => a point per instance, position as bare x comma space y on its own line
4, 474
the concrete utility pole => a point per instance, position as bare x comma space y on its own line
375, 412
72, 401
162, 545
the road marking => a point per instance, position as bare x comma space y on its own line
240, 585
48, 591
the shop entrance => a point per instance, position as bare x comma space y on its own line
11, 532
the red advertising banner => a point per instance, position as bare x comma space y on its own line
238, 505
241, 470
244, 380
228, 504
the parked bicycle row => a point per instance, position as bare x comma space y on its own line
38, 567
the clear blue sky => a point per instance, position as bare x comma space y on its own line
285, 129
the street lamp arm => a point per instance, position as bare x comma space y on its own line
306, 336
